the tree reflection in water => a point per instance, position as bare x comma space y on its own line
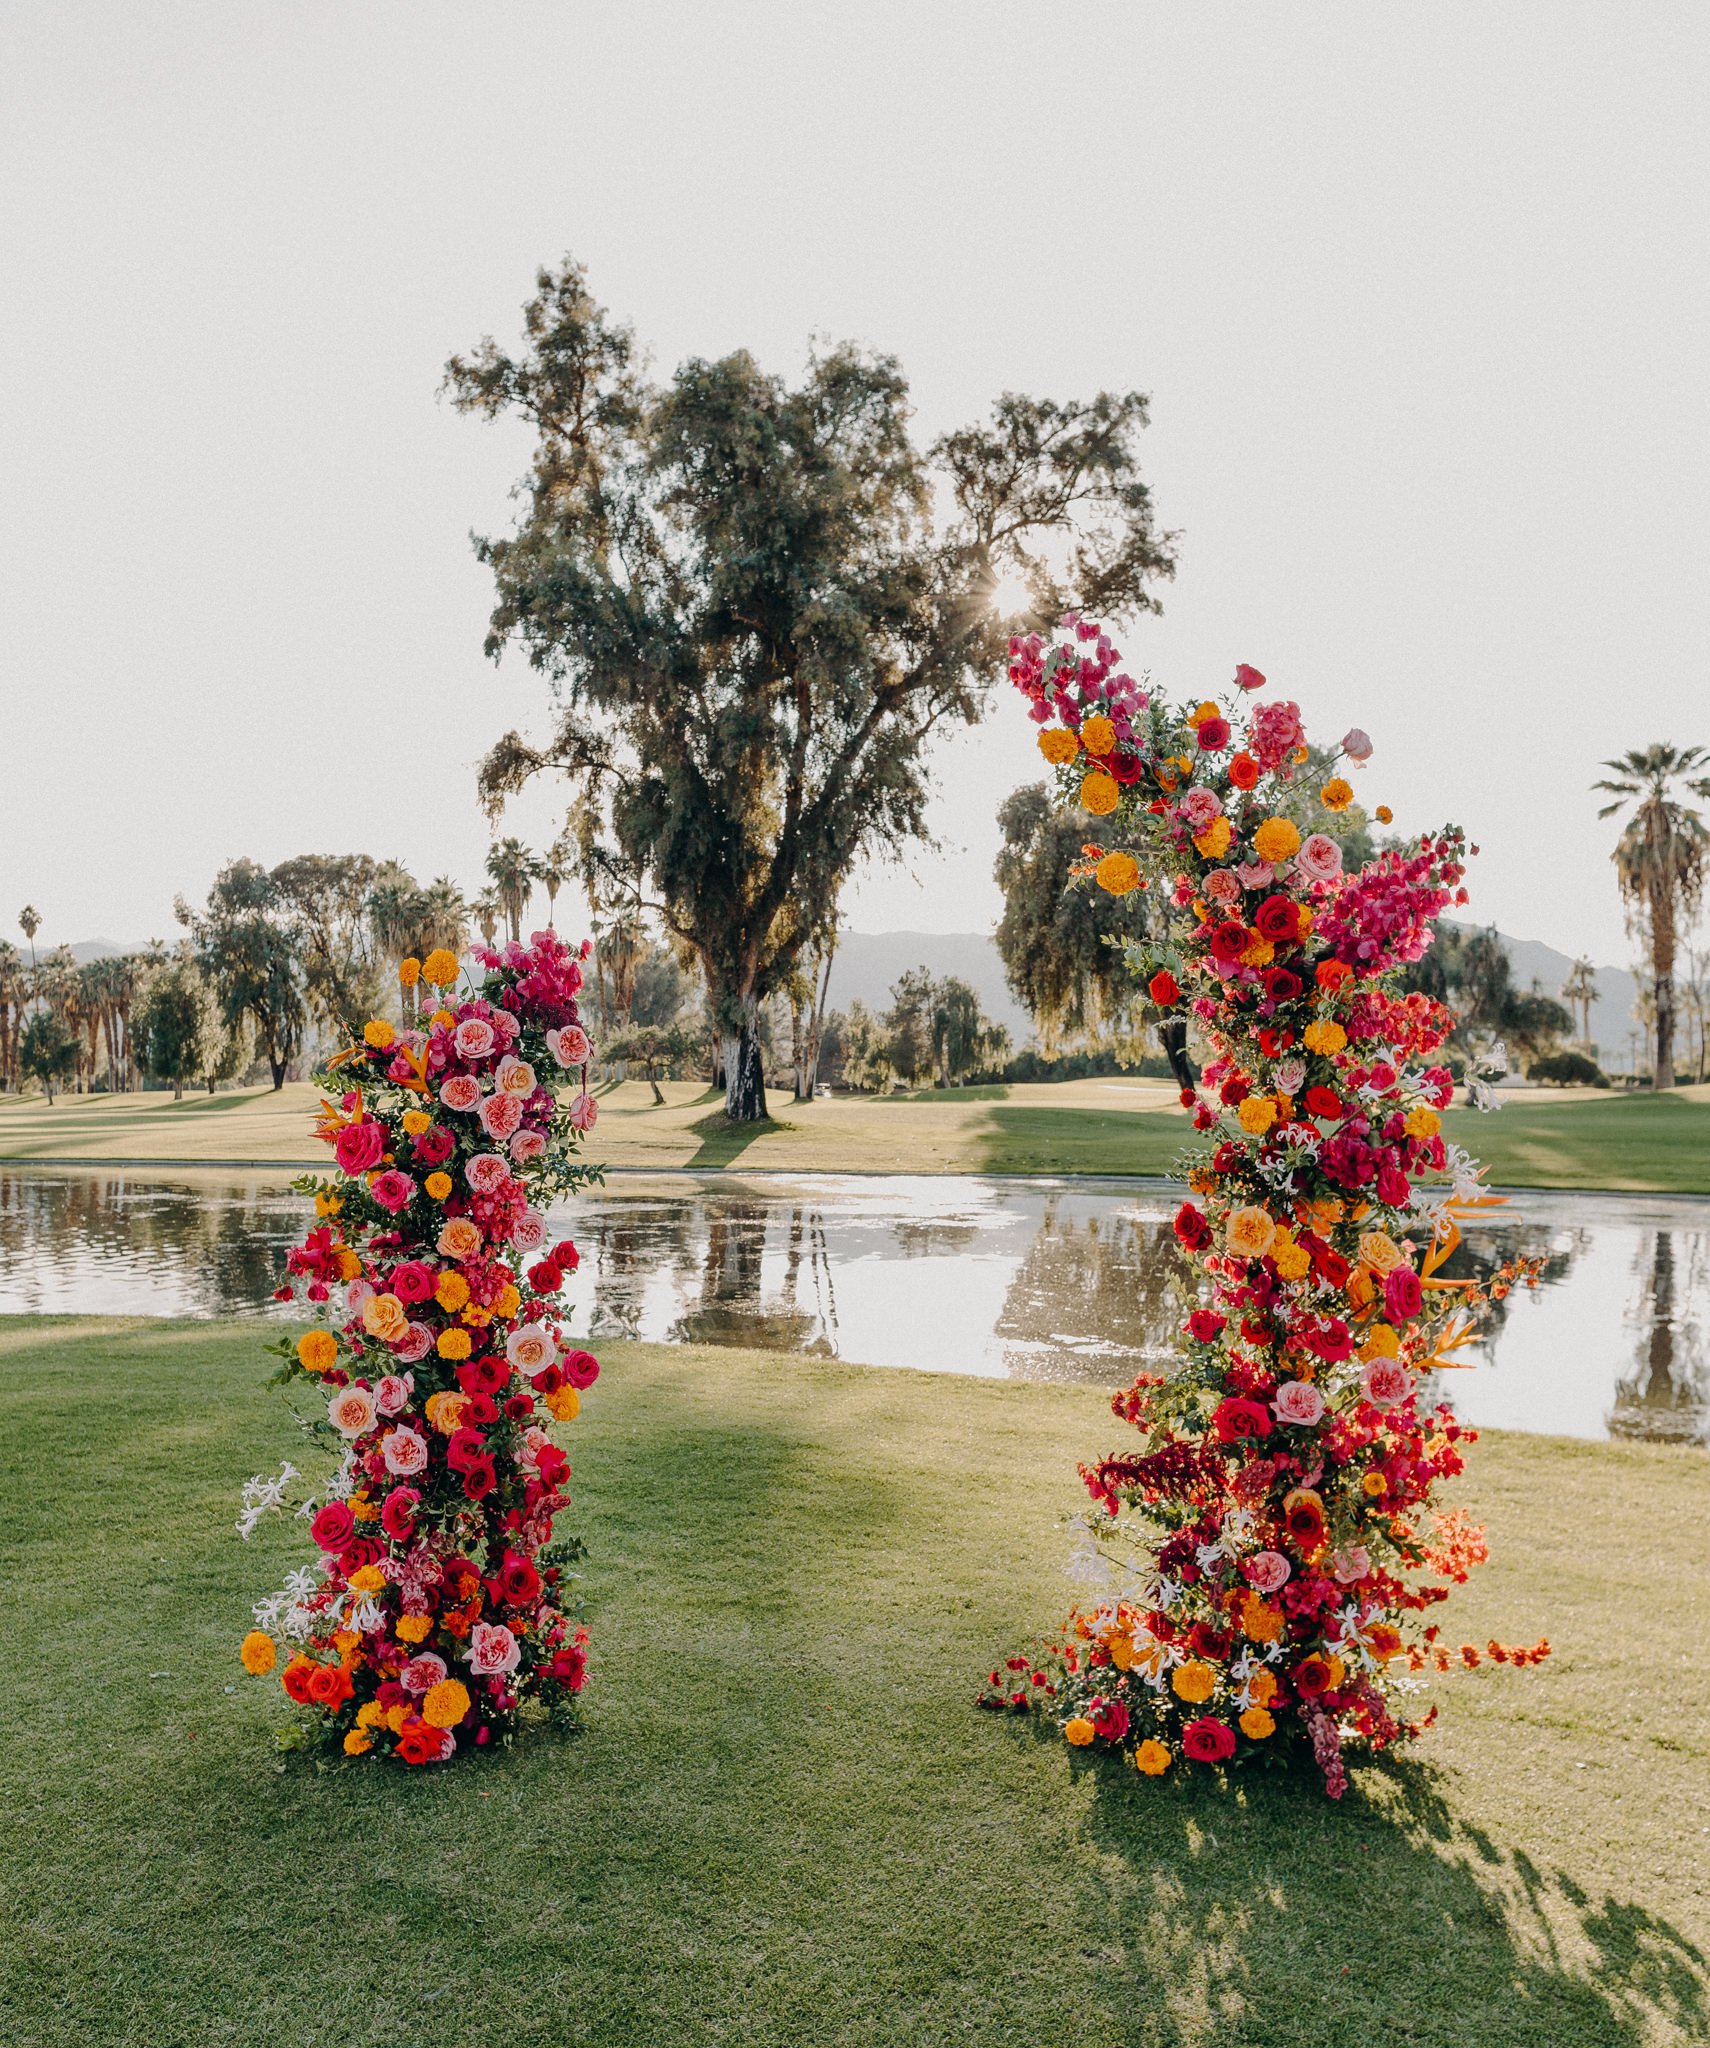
1667, 1397
1095, 1296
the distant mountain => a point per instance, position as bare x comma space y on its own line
867, 964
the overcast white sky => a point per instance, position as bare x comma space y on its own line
1419, 293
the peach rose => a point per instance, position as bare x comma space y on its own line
584, 1113
493, 1650
1380, 1251
569, 1047
383, 1316
351, 1410
500, 1115
460, 1091
529, 1348
514, 1077
1248, 1233
527, 1146
458, 1238
404, 1451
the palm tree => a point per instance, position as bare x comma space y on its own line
442, 917
30, 922
14, 993
486, 911
556, 868
1581, 988
514, 871
1660, 861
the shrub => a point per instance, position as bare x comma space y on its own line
1567, 1069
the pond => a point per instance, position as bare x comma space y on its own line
1031, 1278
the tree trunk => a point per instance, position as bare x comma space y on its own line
658, 1096
1664, 1076
177, 1089
744, 1083
1172, 1034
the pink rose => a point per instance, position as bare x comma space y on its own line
413, 1280
1199, 807
529, 1347
514, 1077
1221, 888
493, 1650
1299, 1402
528, 1233
527, 1146
1386, 1383
1266, 1570
405, 1452
334, 1527
394, 1391
534, 1441
357, 1296
1403, 1297
500, 1115
351, 1411
1291, 1075
393, 1190
416, 1342
569, 1047
359, 1146
1351, 1564
1356, 745
485, 1172
460, 1091
1255, 874
1319, 858
474, 1038
421, 1674
584, 1113
1248, 678
581, 1368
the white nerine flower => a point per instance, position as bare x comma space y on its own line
263, 1496
366, 1618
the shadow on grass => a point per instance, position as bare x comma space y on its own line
722, 1141
1266, 1912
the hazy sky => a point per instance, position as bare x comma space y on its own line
1420, 295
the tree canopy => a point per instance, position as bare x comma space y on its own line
759, 601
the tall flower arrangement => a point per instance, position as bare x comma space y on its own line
1263, 1561
434, 1610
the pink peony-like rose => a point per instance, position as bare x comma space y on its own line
394, 1391
351, 1410
493, 1650
1266, 1570
474, 1038
1386, 1383
1291, 1075
529, 1347
569, 1047
1319, 858
1357, 745
392, 1190
527, 1146
584, 1113
1351, 1564
358, 1295
416, 1342
460, 1091
1222, 888
405, 1452
1255, 874
500, 1115
528, 1232
360, 1146
1299, 1402
514, 1077
422, 1673
534, 1441
486, 1171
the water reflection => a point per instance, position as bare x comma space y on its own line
1071, 1280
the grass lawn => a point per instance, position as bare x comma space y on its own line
785, 1823
1576, 1140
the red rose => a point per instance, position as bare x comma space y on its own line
548, 1380
434, 1145
466, 1449
389, 1694
1110, 1719
1228, 939
418, 1744
330, 1686
552, 1465
1124, 768
359, 1146
1208, 1741
483, 1375
544, 1277
581, 1368
1403, 1297
296, 1679
398, 1513
1281, 985
480, 1479
1324, 1102
1191, 1228
1213, 735
1206, 1641
1188, 1098
519, 1405
1393, 1186
1206, 1325
334, 1526
565, 1256
570, 1668
1163, 990
1278, 919
1331, 1265
519, 1582
1236, 1420
1247, 677
1235, 1089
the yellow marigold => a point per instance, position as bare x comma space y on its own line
1260, 1621
1422, 1121
1258, 951
1336, 795
1121, 1650
564, 1404
258, 1653
1375, 1484
1248, 1233
1257, 1723
454, 1344
378, 1033
1338, 1670
357, 1742
475, 1317
1213, 842
1152, 1758
317, 1350
416, 1121
1100, 793
1383, 1639
371, 1714
1098, 735
1079, 1730
409, 970
397, 1716
1118, 874
1201, 1180
438, 1185
1381, 1342
452, 1292
509, 1301
444, 1410
443, 1018
368, 1578
446, 1703
1294, 1262
1380, 1251
344, 1641
1256, 1114
440, 968
327, 1203
1057, 745
1384, 815
1194, 1682
414, 1628
1263, 1686
363, 1508
1324, 1035
1276, 840
349, 1265
1200, 713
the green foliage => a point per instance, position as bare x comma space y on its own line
327, 899
1567, 1069
47, 1052
759, 601
1471, 973
247, 948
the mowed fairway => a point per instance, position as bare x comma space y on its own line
1576, 1140
785, 1823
